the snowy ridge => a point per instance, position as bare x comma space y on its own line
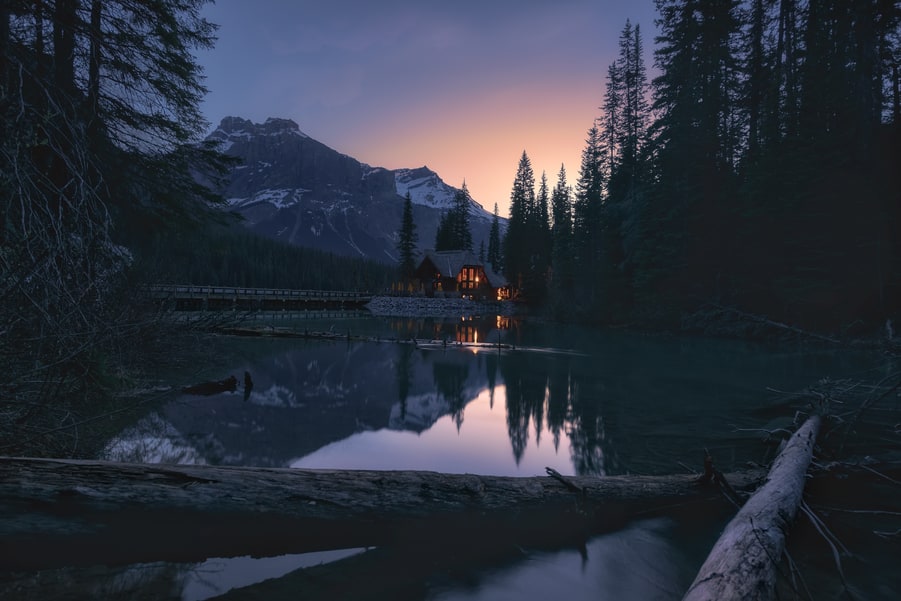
429, 190
280, 199
425, 188
294, 188
369, 170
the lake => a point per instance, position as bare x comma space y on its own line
495, 396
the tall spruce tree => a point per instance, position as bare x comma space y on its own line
612, 117
540, 250
494, 243
631, 137
516, 242
624, 131
685, 224
462, 231
589, 195
453, 230
562, 243
406, 240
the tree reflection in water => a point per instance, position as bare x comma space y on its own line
451, 374
403, 369
628, 403
543, 388
314, 395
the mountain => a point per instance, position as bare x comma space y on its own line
293, 188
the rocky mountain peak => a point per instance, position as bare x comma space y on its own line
293, 188
237, 129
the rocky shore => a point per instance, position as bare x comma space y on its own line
420, 306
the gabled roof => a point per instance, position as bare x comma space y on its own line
450, 262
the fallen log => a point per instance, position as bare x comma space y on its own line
743, 562
64, 512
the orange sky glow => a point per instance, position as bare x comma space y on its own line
463, 88
481, 142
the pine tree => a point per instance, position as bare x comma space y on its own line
588, 199
612, 119
462, 231
540, 249
453, 230
516, 242
636, 112
562, 244
494, 243
686, 223
406, 240
757, 79
444, 236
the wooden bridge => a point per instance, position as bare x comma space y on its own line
190, 297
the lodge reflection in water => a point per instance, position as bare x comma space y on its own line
543, 392
319, 394
470, 329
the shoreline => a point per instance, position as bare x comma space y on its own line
421, 306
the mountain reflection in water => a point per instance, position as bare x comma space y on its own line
373, 405
537, 395
580, 401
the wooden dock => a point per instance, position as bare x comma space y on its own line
191, 297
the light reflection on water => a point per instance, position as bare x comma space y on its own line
449, 446
617, 404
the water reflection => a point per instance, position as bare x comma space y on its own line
163, 580
619, 403
314, 396
532, 397
638, 563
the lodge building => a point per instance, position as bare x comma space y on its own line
459, 273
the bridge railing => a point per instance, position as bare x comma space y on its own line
192, 291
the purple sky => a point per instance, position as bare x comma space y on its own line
461, 86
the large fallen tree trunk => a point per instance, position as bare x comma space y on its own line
743, 562
64, 512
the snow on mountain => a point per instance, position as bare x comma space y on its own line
280, 199
428, 190
425, 188
296, 189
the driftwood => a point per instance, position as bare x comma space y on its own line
64, 512
743, 562
229, 384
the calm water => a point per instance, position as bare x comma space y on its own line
580, 401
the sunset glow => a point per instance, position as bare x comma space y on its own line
463, 89
480, 445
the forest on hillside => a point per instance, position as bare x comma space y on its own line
757, 173
221, 255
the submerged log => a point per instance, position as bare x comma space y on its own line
743, 562
66, 512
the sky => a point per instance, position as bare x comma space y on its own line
461, 86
